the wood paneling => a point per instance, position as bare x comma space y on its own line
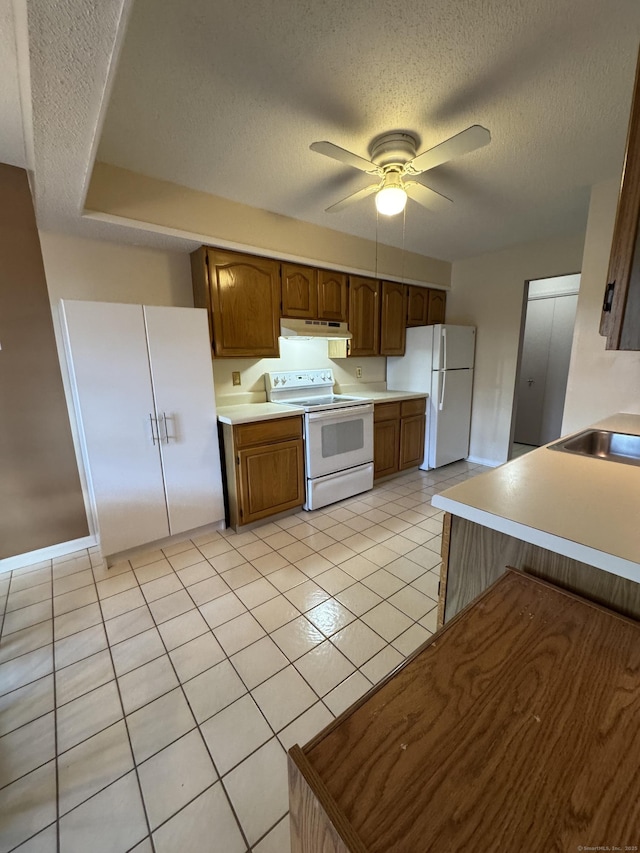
478, 556
417, 306
411, 441
513, 728
333, 296
444, 567
437, 306
364, 316
299, 291
41, 501
245, 304
386, 438
271, 479
393, 318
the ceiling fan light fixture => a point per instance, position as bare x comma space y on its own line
392, 197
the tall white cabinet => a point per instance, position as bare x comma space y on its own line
143, 388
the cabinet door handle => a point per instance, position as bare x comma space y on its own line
154, 434
163, 418
608, 296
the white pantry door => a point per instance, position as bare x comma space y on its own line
180, 357
112, 386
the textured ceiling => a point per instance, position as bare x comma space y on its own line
226, 97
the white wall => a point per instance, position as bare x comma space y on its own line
488, 292
600, 382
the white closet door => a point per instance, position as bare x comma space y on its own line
110, 369
180, 356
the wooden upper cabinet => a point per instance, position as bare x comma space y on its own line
364, 316
620, 320
332, 296
299, 292
393, 318
437, 306
417, 306
242, 294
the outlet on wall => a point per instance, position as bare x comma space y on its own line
358, 373
235, 377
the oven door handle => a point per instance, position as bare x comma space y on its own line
339, 414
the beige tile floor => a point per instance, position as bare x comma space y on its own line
148, 707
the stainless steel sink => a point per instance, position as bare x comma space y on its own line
602, 444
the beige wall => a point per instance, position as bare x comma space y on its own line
119, 195
41, 501
487, 292
600, 382
101, 271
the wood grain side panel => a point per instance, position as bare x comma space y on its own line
478, 556
444, 567
314, 815
200, 285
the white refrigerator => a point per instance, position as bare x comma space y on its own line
439, 360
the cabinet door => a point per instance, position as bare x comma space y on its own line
417, 306
364, 316
437, 305
112, 389
270, 479
245, 301
299, 292
386, 435
332, 296
620, 319
411, 441
185, 403
393, 318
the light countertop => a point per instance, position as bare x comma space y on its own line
581, 507
387, 396
249, 412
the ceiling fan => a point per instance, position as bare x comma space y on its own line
393, 159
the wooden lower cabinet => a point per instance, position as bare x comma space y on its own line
398, 436
265, 468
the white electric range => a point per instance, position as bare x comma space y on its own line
338, 434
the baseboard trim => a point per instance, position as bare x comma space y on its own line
490, 463
49, 553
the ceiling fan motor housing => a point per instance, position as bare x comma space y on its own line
397, 147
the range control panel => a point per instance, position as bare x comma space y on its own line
299, 380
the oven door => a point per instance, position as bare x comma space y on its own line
338, 439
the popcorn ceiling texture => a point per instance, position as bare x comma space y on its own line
226, 97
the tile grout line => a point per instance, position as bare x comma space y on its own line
197, 726
126, 726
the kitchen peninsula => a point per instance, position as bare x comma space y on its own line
568, 518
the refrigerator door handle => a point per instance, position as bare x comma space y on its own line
444, 382
444, 348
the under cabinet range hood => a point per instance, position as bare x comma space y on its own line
307, 329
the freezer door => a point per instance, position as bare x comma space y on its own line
453, 347
449, 417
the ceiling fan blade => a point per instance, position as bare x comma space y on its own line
344, 156
426, 197
350, 199
462, 143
